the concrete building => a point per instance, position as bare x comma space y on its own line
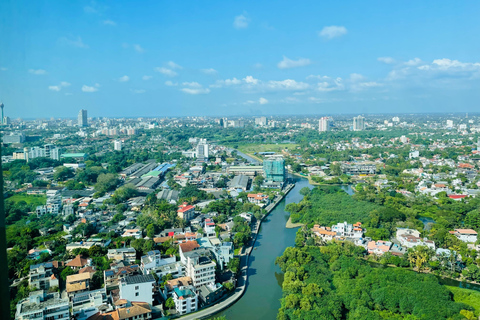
122, 254
153, 260
274, 169
41, 276
200, 267
358, 123
465, 235
186, 299
42, 306
324, 124
117, 145
82, 118
202, 151
138, 288
261, 121
186, 211
14, 137
89, 299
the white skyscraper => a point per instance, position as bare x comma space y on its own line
449, 123
324, 124
117, 145
82, 118
358, 123
261, 122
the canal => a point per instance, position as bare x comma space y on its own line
262, 297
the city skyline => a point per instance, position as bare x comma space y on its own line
229, 58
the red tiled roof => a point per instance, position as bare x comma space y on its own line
77, 262
189, 246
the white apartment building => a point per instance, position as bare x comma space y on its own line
154, 260
186, 299
41, 276
346, 230
41, 306
138, 288
126, 254
200, 267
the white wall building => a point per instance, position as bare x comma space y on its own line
153, 260
117, 145
186, 299
138, 288
41, 306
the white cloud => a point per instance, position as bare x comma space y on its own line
173, 65
356, 77
86, 88
331, 32
413, 62
287, 84
78, 43
262, 100
210, 71
317, 77
196, 91
59, 87
138, 91
241, 22
226, 83
250, 80
192, 84
37, 72
387, 60
146, 78
288, 63
124, 79
109, 23
138, 48
170, 83
451, 65
165, 71
330, 85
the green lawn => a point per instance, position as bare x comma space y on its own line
252, 148
467, 296
36, 200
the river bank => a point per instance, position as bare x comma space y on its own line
261, 299
244, 266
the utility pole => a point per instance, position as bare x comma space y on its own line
4, 287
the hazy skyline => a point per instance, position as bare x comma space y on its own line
185, 58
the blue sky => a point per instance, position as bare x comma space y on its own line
181, 58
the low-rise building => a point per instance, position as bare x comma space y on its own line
378, 247
113, 276
128, 255
152, 260
89, 299
135, 233
77, 283
465, 235
200, 267
186, 300
41, 276
186, 211
138, 288
42, 306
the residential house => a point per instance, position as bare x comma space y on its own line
465, 235
77, 283
200, 267
186, 300
135, 233
89, 299
128, 255
78, 262
127, 311
153, 260
42, 306
137, 288
186, 211
379, 247
209, 228
113, 276
41, 276
325, 233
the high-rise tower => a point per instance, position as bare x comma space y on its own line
2, 106
82, 118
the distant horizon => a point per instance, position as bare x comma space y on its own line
453, 114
